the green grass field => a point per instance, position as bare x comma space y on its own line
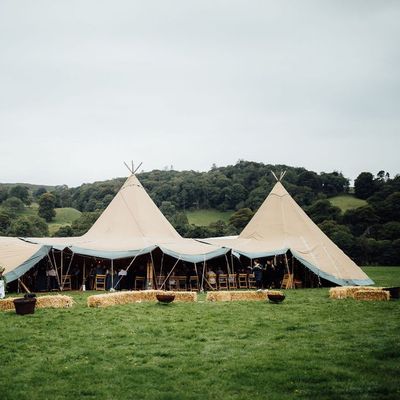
347, 202
64, 216
206, 217
308, 347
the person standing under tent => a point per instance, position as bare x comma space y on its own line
41, 278
52, 276
258, 273
269, 274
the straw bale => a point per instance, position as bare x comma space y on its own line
218, 296
118, 298
343, 292
56, 301
7, 304
236, 296
248, 296
188, 297
372, 295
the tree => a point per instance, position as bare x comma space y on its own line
13, 206
29, 226
241, 218
22, 193
47, 203
323, 210
364, 185
84, 222
39, 192
3, 194
311, 180
64, 231
5, 223
360, 219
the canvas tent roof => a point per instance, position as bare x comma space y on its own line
132, 224
280, 225
18, 256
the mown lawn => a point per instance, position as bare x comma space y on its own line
347, 202
309, 347
206, 217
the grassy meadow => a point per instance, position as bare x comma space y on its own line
308, 347
347, 202
64, 216
206, 217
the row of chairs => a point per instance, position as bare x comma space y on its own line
182, 283
231, 281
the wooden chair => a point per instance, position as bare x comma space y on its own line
287, 281
100, 282
223, 283
242, 281
194, 283
251, 281
139, 283
232, 281
66, 282
181, 282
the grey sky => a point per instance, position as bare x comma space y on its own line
86, 85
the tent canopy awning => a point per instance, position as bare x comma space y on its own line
18, 256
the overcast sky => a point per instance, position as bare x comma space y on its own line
88, 84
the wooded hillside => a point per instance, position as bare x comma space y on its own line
368, 230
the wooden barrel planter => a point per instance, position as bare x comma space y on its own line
165, 298
25, 306
276, 297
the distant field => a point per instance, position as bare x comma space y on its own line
347, 202
384, 276
64, 216
206, 217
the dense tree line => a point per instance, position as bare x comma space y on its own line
369, 234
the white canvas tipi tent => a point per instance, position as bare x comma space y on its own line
131, 225
280, 225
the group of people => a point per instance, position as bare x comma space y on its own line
116, 279
269, 275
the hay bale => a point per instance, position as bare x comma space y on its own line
118, 298
218, 296
338, 292
187, 297
372, 295
236, 296
56, 301
7, 304
343, 292
248, 296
